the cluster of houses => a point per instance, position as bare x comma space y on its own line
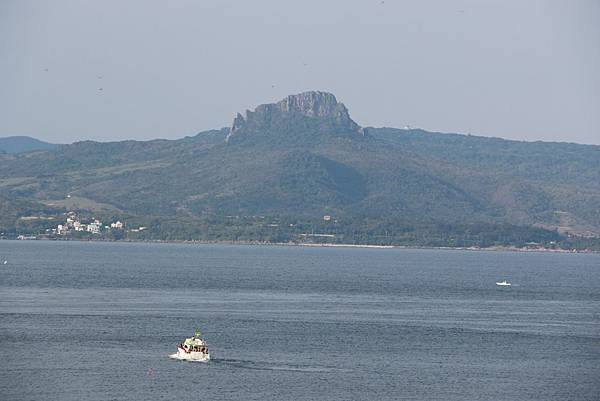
73, 224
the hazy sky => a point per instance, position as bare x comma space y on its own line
141, 69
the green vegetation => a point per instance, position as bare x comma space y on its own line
80, 203
21, 144
382, 185
285, 229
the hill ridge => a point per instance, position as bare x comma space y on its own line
303, 158
22, 143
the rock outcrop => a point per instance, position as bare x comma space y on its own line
305, 113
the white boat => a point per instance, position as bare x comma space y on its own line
193, 349
503, 283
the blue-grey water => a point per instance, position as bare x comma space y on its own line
97, 321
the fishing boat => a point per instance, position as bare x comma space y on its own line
193, 349
503, 283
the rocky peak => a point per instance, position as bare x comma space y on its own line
312, 104
315, 106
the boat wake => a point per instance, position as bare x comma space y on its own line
273, 366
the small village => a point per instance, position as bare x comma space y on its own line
93, 226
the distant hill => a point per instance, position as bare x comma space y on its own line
280, 168
21, 144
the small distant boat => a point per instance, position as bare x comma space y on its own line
503, 283
5, 262
193, 349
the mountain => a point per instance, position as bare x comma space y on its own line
21, 144
280, 168
298, 119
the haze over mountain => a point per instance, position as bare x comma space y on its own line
304, 157
20, 144
525, 70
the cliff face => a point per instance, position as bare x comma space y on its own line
305, 114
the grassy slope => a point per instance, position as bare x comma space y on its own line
389, 174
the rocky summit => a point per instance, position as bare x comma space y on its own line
304, 114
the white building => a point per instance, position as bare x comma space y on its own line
62, 229
117, 225
93, 228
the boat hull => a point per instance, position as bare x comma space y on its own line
191, 356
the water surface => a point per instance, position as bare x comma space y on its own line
97, 321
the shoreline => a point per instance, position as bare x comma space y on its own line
497, 248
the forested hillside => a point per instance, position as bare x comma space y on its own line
293, 162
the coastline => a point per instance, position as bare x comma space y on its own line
497, 248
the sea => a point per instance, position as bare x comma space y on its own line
97, 321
